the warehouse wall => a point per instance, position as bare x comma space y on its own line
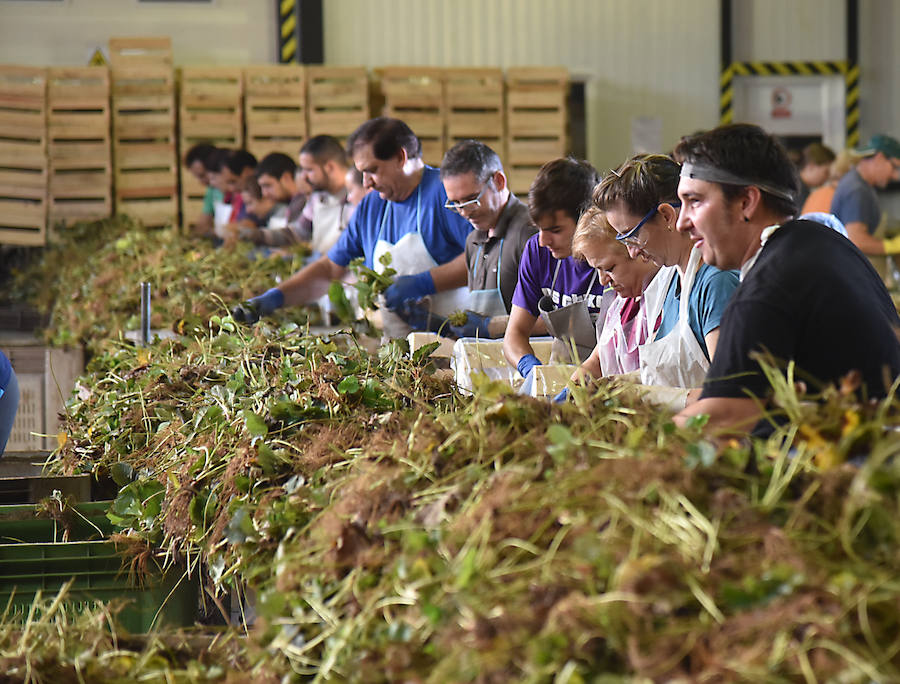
66, 32
623, 51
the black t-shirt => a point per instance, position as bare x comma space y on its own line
814, 298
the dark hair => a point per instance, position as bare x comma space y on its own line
561, 185
641, 183
238, 160
471, 156
387, 137
818, 154
325, 148
276, 165
251, 187
748, 152
201, 152
216, 159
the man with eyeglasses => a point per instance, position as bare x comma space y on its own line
404, 218
477, 190
855, 202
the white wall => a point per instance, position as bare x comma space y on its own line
645, 58
66, 32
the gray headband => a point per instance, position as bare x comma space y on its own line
714, 174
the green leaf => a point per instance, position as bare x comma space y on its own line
256, 426
421, 354
349, 385
467, 569
122, 473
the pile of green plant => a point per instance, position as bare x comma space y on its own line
89, 280
393, 530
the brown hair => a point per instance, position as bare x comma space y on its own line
640, 184
592, 227
563, 184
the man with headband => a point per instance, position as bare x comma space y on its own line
807, 295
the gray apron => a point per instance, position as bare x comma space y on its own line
488, 302
573, 324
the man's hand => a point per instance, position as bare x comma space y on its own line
249, 312
421, 319
405, 288
475, 326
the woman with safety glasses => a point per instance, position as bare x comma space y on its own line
641, 203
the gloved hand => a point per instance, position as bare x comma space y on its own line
475, 326
420, 318
250, 311
408, 287
892, 245
562, 396
526, 363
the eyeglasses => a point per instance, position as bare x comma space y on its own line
629, 237
459, 206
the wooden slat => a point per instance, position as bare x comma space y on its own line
537, 77
342, 87
534, 151
80, 182
150, 183
23, 154
140, 51
79, 209
145, 155
282, 80
77, 153
413, 87
78, 126
536, 124
23, 83
77, 87
474, 88
153, 213
24, 180
474, 124
337, 123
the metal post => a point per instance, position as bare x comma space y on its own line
145, 314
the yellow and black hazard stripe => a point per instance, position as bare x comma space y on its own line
851, 104
816, 68
288, 31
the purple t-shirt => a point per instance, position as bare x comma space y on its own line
536, 274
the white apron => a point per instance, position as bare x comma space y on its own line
329, 222
409, 256
676, 360
221, 218
488, 302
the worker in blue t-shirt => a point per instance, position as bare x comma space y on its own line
9, 399
405, 218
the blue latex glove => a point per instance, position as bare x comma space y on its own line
562, 396
250, 311
408, 287
420, 318
475, 326
526, 363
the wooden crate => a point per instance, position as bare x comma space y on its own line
338, 100
210, 106
145, 156
79, 149
275, 108
23, 155
46, 378
415, 95
475, 107
536, 121
192, 194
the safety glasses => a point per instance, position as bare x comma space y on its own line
629, 237
468, 204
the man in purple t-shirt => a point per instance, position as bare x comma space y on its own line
558, 195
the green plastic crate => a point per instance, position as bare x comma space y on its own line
20, 523
96, 569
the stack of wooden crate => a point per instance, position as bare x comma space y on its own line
275, 109
475, 107
23, 155
78, 144
535, 121
416, 96
144, 144
338, 100
210, 110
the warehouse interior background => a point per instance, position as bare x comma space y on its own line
641, 63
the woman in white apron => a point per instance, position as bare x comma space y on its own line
640, 199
